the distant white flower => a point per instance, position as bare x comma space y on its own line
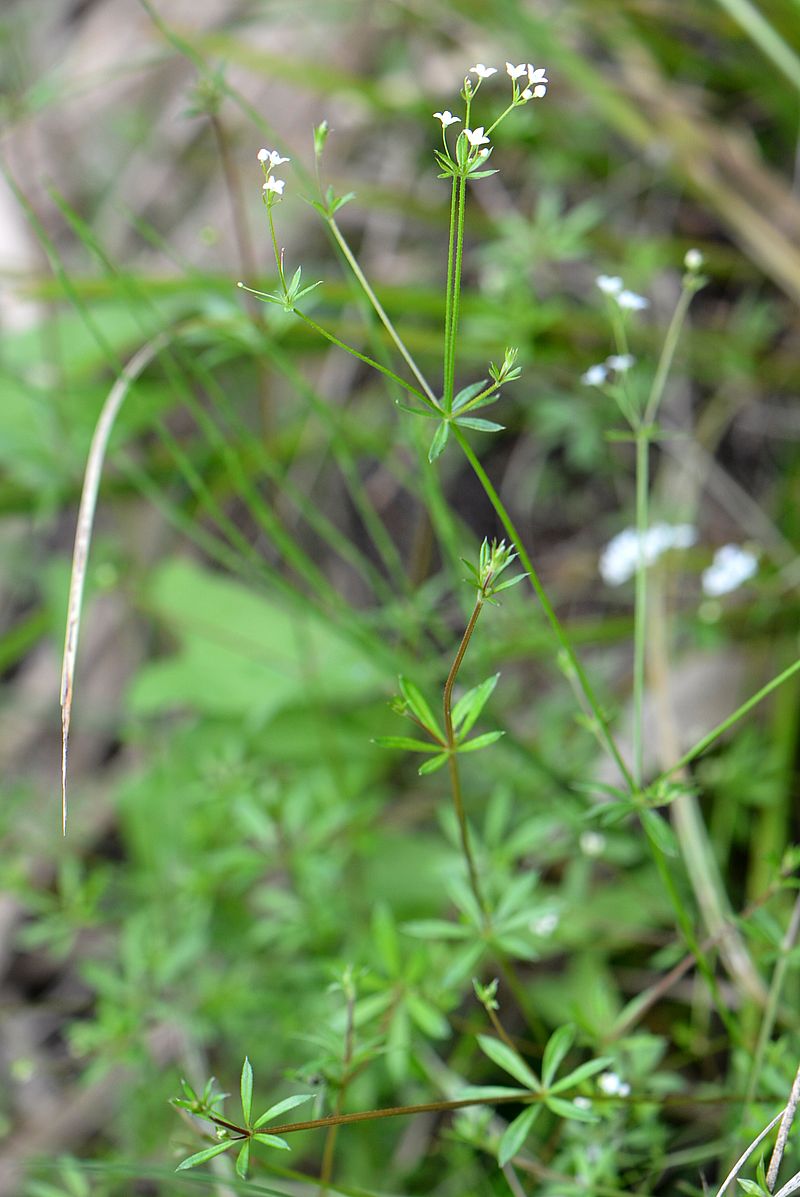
446, 118
516, 71
483, 72
276, 185
582, 1103
731, 566
545, 924
693, 260
620, 362
595, 376
613, 1085
476, 137
631, 301
592, 843
620, 557
609, 284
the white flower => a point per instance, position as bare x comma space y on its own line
262, 155
537, 83
276, 185
592, 843
612, 1085
631, 301
545, 924
595, 376
609, 284
693, 260
535, 93
446, 118
731, 566
516, 71
483, 72
620, 557
476, 137
620, 362
276, 160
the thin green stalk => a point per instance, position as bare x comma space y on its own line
668, 353
640, 605
558, 630
452, 761
448, 315
450, 364
773, 998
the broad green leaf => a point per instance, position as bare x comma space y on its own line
246, 1087
480, 425
463, 397
481, 741
406, 742
557, 1047
509, 1060
272, 1141
281, 1107
439, 441
581, 1073
468, 708
200, 1157
243, 1160
515, 1134
418, 705
436, 762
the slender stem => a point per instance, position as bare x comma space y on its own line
448, 315
277, 252
450, 364
326, 1170
668, 353
773, 999
452, 762
640, 605
558, 629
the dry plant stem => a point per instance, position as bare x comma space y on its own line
452, 762
744, 1157
83, 538
326, 1169
783, 1132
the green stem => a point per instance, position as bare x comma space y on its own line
452, 762
450, 364
448, 314
558, 630
640, 605
668, 353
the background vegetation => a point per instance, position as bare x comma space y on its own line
247, 872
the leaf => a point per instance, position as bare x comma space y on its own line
568, 1109
479, 425
243, 1160
384, 934
581, 1073
659, 832
481, 741
488, 1092
468, 708
463, 397
281, 1107
481, 174
418, 705
557, 1047
246, 1087
515, 1134
436, 762
406, 742
417, 411
439, 441
429, 1020
509, 583
272, 1141
509, 1060
200, 1157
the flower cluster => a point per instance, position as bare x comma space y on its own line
613, 1085
731, 567
620, 558
614, 288
533, 87
617, 363
271, 186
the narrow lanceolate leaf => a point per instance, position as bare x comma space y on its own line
479, 425
481, 741
406, 742
463, 397
511, 582
281, 1107
247, 1090
468, 708
436, 762
439, 441
200, 1157
557, 1047
83, 538
581, 1073
437, 929
418, 705
272, 1141
509, 1060
243, 1161
568, 1109
417, 411
515, 1135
